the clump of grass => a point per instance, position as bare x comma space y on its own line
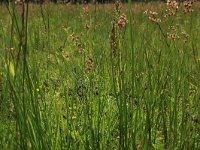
99, 77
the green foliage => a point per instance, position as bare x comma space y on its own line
76, 77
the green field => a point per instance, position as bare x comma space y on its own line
105, 76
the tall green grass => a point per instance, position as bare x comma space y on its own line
74, 80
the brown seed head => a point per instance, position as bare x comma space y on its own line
172, 4
90, 64
188, 6
12, 49
122, 21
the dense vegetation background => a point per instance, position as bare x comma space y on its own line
88, 1
114, 76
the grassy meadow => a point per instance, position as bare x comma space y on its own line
106, 76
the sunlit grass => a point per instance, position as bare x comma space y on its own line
83, 83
